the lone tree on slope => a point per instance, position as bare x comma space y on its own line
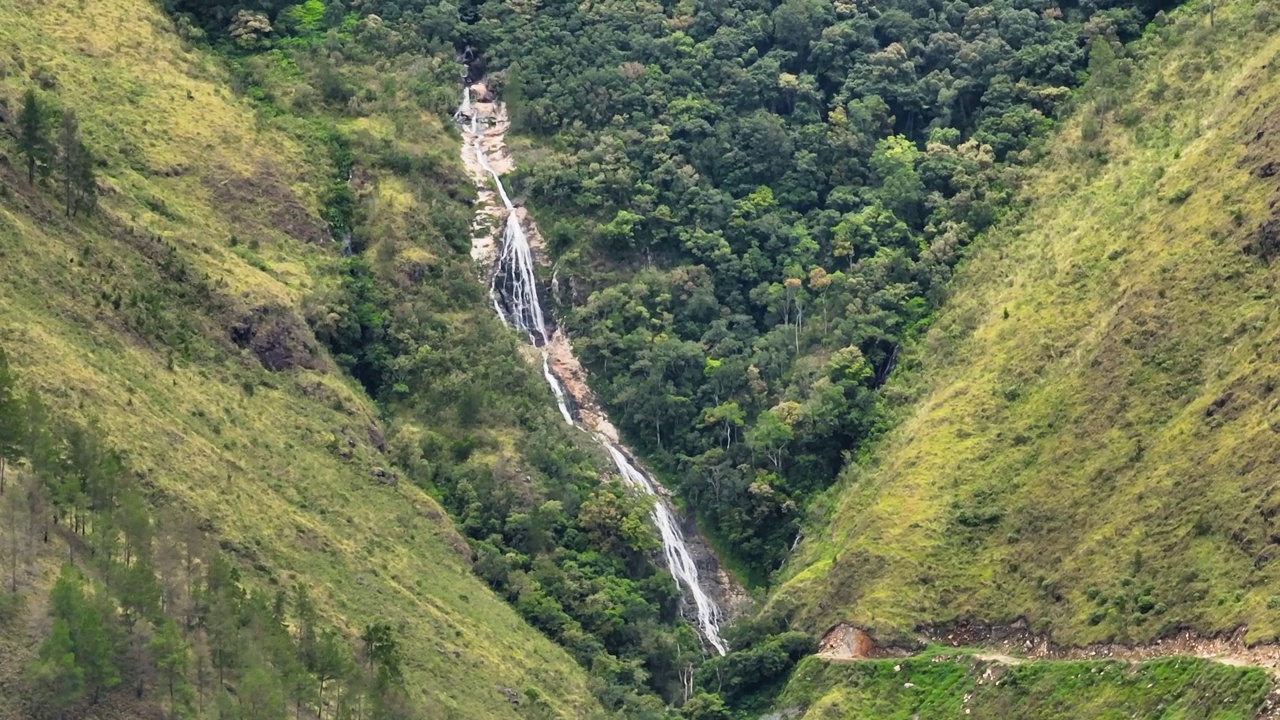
76, 163
33, 137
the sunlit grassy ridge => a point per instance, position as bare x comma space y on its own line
951, 684
1093, 433
210, 218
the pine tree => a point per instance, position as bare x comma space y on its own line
66, 599
1104, 74
105, 543
224, 635
261, 694
12, 417
305, 609
92, 633
80, 187
301, 687
57, 672
86, 182
96, 650
69, 150
331, 660
139, 593
172, 657
381, 648
33, 139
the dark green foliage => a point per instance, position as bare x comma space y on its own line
762, 654
330, 661
339, 207
757, 210
381, 649
34, 143
572, 556
705, 706
75, 162
575, 559
57, 675
91, 636
355, 327
755, 190
172, 658
751, 675
12, 420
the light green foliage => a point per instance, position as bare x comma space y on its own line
177, 316
894, 162
762, 205
946, 684
56, 674
705, 706
91, 637
1087, 424
172, 658
303, 18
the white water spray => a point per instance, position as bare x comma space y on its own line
679, 561
514, 294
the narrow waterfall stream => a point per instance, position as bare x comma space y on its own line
513, 292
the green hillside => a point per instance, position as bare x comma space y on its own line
950, 684
179, 316
1087, 433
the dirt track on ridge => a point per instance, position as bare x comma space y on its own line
1014, 645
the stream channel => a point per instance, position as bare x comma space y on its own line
504, 242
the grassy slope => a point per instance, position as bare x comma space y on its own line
948, 684
1098, 431
261, 466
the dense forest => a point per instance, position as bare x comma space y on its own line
753, 204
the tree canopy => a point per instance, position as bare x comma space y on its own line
753, 205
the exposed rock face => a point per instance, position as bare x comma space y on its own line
277, 336
486, 228
846, 642
1265, 243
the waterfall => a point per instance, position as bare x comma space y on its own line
513, 291
679, 561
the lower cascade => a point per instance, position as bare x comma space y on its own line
513, 292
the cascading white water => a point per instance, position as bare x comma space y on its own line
514, 277
557, 389
679, 561
514, 286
